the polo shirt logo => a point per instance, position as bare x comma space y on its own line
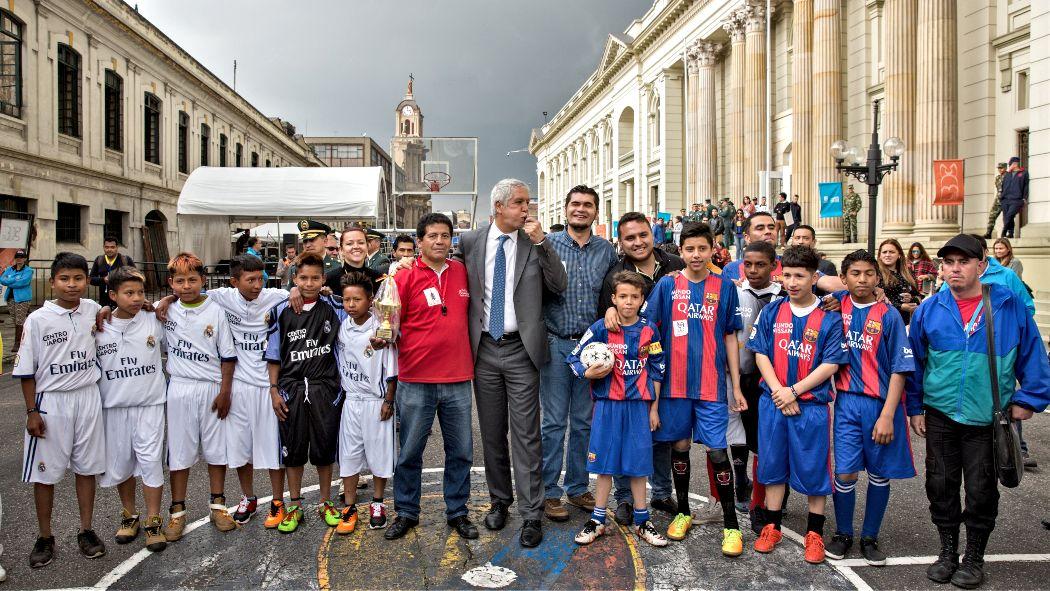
811, 335
151, 342
873, 327
209, 331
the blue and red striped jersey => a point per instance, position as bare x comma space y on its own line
878, 347
694, 319
639, 360
795, 345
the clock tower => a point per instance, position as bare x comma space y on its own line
408, 118
408, 152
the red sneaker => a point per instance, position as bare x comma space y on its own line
376, 516
814, 548
245, 509
769, 538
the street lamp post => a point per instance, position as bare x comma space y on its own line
873, 171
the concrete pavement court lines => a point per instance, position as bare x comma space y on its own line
434, 557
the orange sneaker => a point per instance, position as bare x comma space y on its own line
347, 521
769, 538
814, 548
276, 515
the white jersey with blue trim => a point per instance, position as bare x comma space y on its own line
128, 352
364, 371
58, 347
199, 339
249, 320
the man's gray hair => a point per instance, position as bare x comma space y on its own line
502, 191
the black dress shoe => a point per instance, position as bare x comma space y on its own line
667, 505
463, 527
400, 527
531, 533
624, 513
497, 516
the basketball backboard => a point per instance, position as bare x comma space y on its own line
435, 165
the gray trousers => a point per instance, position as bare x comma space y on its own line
507, 394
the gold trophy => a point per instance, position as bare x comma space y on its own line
388, 306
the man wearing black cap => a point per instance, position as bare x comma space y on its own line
18, 279
1014, 194
949, 399
377, 261
313, 235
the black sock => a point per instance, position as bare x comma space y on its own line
217, 496
723, 475
740, 453
182, 504
775, 517
377, 500
680, 475
815, 522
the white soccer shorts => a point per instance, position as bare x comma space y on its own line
193, 426
735, 434
251, 429
134, 444
364, 440
74, 437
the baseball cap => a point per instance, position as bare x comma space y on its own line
962, 243
1015, 159
20, 253
1001, 165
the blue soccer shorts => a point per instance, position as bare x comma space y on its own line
621, 442
795, 450
855, 450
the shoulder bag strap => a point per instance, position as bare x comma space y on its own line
989, 331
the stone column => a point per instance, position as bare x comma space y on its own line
735, 107
705, 158
898, 190
936, 135
802, 109
827, 106
691, 114
754, 17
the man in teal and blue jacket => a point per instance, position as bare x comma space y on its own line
951, 385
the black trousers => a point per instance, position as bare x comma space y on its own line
1011, 209
957, 456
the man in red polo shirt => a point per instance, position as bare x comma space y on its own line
435, 366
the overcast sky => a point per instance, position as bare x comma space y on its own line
486, 68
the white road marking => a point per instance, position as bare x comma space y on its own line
489, 576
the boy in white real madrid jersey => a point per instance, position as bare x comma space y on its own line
133, 393
252, 440
369, 380
56, 363
201, 361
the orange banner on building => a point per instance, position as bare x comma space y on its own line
948, 179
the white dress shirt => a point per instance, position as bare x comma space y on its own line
510, 251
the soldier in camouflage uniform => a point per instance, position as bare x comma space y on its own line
996, 207
850, 209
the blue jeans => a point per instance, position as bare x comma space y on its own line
416, 406
740, 246
660, 480
566, 403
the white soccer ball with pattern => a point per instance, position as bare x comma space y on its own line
596, 354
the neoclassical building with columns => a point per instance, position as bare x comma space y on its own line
706, 98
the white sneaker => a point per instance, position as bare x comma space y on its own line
590, 532
647, 531
3, 574
709, 513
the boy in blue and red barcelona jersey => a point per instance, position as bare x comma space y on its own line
798, 348
697, 314
871, 432
625, 397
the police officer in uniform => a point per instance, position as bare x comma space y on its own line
314, 236
850, 209
996, 205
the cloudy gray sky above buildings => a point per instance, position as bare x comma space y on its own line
486, 68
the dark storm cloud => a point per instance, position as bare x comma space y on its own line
483, 68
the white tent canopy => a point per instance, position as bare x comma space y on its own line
290, 192
214, 198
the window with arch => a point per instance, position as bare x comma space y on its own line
10, 64
238, 156
205, 144
114, 111
68, 91
151, 129
184, 142
224, 147
255, 160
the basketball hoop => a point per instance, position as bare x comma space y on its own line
437, 180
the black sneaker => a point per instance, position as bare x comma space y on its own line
90, 544
869, 547
1029, 461
624, 513
667, 505
758, 519
43, 552
839, 546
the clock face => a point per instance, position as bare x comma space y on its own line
407, 111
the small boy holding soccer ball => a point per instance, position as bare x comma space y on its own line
625, 369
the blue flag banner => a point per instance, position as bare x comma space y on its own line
830, 200
664, 215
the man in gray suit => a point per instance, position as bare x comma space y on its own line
509, 264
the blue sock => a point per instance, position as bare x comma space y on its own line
641, 516
845, 497
598, 514
875, 506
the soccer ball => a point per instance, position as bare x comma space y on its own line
596, 354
